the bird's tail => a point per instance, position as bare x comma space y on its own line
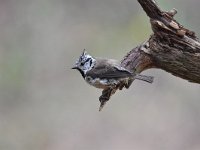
144, 78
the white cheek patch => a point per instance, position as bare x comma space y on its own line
87, 66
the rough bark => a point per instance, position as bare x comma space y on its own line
171, 47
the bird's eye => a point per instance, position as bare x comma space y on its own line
82, 64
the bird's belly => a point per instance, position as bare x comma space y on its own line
101, 83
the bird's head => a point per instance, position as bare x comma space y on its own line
84, 63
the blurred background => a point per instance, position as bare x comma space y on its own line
44, 105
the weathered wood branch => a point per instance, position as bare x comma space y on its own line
171, 47
151, 6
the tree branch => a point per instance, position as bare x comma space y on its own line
171, 47
179, 56
151, 8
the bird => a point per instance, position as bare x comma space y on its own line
106, 73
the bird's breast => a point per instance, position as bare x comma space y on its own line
101, 83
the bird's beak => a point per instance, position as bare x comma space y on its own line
75, 67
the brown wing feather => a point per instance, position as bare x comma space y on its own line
108, 70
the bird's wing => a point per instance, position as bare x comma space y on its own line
108, 71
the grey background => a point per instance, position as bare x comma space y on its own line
44, 105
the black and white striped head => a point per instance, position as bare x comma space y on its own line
84, 63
